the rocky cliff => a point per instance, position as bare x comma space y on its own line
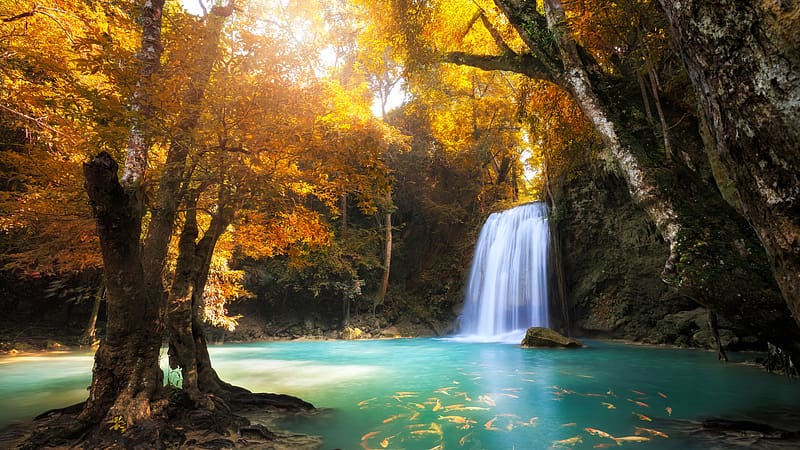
612, 258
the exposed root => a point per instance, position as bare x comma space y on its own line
180, 425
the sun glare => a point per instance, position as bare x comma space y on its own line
192, 6
328, 58
396, 98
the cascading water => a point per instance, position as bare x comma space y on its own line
507, 289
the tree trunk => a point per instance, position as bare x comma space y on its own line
645, 98
704, 248
343, 208
188, 348
387, 262
184, 301
91, 327
207, 379
657, 100
169, 195
180, 307
187, 344
126, 378
345, 311
714, 327
642, 185
743, 60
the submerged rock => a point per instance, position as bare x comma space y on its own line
545, 337
764, 429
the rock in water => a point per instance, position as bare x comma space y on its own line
545, 337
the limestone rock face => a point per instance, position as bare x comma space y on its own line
613, 258
538, 337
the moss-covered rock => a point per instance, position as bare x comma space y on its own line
352, 333
537, 337
612, 257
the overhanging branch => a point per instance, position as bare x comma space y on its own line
20, 15
523, 64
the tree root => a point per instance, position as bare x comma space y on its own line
181, 425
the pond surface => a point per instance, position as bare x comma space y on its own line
434, 394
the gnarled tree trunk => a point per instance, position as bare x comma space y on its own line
187, 343
180, 307
188, 348
126, 378
743, 58
184, 295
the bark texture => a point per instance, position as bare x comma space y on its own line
150, 60
743, 58
126, 375
188, 349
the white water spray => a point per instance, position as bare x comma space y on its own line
507, 289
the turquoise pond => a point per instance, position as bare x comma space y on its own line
429, 393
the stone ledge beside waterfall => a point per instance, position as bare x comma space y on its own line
540, 337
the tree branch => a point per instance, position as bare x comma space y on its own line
472, 22
39, 9
498, 40
20, 16
527, 65
532, 28
38, 121
149, 57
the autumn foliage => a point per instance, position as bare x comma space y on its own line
275, 139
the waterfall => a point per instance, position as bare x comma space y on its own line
507, 289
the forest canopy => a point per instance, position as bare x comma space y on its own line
276, 107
